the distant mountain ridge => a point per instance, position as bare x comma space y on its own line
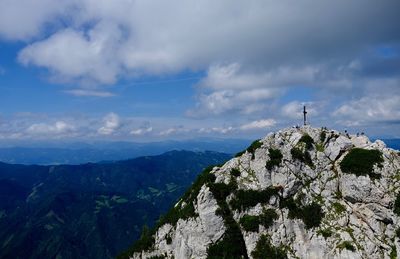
90, 210
79, 153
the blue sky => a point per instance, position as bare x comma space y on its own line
147, 71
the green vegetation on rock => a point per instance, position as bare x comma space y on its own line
346, 245
265, 250
310, 214
232, 244
275, 156
339, 208
304, 157
245, 199
235, 172
396, 207
250, 223
251, 149
322, 136
327, 232
309, 141
361, 162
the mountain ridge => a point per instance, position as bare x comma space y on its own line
90, 210
297, 193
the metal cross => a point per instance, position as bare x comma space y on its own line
305, 115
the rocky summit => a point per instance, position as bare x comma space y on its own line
298, 193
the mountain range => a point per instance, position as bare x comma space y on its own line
79, 153
93, 210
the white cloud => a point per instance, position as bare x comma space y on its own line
370, 109
259, 124
71, 54
89, 92
25, 19
109, 39
142, 131
58, 128
111, 124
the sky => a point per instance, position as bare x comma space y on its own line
140, 70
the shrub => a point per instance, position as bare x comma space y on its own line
396, 208
250, 223
311, 214
268, 217
325, 232
146, 240
275, 156
245, 199
232, 244
235, 172
393, 253
297, 154
251, 149
264, 249
398, 232
304, 157
322, 136
346, 245
361, 162
309, 141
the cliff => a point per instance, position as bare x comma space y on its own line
297, 193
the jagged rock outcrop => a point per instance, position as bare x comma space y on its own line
297, 193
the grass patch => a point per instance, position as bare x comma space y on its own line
338, 207
320, 147
310, 214
301, 156
361, 162
251, 223
245, 199
327, 232
275, 156
396, 207
322, 136
264, 249
346, 245
393, 253
309, 141
251, 149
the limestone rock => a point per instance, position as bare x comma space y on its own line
357, 212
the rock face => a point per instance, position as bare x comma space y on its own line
290, 194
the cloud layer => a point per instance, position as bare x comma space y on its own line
258, 58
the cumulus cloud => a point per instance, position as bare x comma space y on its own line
71, 54
259, 124
111, 124
58, 128
253, 54
261, 35
25, 19
367, 110
142, 131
